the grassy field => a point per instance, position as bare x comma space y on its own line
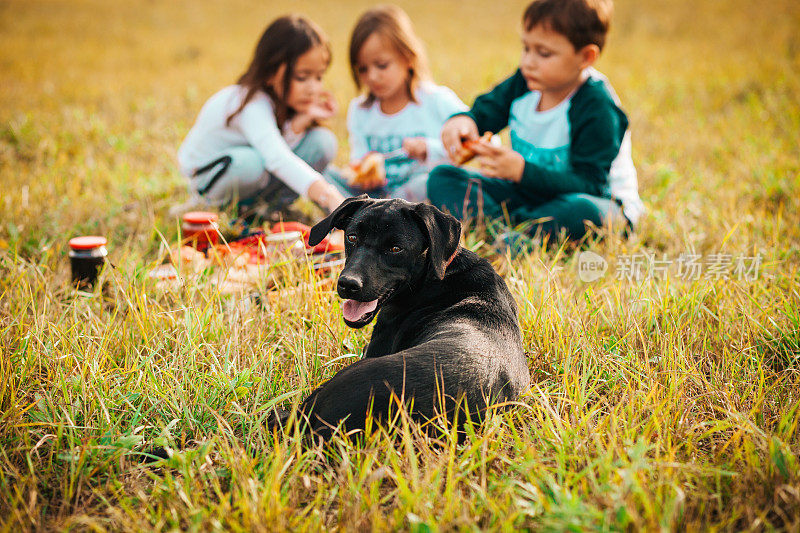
667, 402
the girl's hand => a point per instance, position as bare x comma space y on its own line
325, 107
457, 130
325, 195
499, 162
416, 148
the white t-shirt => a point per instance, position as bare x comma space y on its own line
255, 126
372, 130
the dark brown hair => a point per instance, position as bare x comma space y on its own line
582, 22
285, 40
392, 24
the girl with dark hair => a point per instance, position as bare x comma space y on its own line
260, 139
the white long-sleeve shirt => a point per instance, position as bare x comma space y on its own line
372, 130
255, 126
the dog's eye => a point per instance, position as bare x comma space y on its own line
395, 249
352, 239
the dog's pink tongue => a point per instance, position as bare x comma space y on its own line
354, 311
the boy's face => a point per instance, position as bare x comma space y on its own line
549, 63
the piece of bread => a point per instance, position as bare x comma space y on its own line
465, 154
369, 173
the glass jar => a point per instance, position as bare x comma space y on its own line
200, 229
86, 255
291, 241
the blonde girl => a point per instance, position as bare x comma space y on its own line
400, 111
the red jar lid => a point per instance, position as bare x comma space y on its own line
200, 217
87, 242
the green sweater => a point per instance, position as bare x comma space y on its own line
567, 149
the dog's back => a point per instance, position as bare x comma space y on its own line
474, 314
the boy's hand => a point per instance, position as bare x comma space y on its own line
499, 162
457, 130
416, 148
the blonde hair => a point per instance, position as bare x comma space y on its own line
392, 24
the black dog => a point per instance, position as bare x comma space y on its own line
447, 325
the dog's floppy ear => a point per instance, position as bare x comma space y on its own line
443, 232
338, 219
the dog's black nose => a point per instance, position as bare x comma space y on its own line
349, 286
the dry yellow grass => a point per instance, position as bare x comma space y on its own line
662, 404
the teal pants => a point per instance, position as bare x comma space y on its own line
466, 194
239, 175
413, 189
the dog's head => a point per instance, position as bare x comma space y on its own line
390, 246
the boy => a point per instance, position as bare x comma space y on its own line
570, 158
